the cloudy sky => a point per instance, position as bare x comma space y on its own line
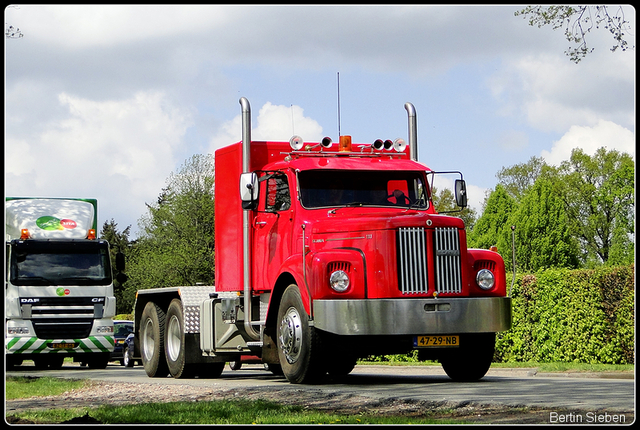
107, 101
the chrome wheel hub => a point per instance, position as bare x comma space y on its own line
290, 335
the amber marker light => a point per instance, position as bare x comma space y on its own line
345, 143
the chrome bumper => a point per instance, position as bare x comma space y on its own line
413, 316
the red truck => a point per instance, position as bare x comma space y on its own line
325, 255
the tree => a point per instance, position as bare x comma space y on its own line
599, 197
12, 32
494, 222
176, 246
542, 237
518, 179
578, 21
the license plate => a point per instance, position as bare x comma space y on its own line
62, 345
436, 341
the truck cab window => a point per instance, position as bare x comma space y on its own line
76, 264
278, 196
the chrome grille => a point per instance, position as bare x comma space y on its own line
412, 261
447, 263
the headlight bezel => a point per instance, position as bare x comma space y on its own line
485, 279
339, 281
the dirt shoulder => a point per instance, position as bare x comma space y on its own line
99, 393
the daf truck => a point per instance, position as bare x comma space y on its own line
59, 296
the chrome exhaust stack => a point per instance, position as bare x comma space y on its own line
413, 131
246, 221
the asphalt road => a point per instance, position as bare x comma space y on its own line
511, 387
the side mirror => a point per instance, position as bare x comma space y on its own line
120, 262
121, 278
249, 190
461, 193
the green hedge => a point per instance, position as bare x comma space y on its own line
581, 316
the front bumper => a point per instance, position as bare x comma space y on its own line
33, 345
413, 316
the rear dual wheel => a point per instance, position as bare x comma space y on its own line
163, 344
175, 348
152, 327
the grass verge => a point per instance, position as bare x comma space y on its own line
21, 387
237, 411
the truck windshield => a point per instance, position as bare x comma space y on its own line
60, 263
331, 188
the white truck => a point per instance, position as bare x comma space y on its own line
59, 296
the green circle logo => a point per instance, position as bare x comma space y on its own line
50, 223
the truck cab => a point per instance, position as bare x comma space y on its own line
326, 253
59, 299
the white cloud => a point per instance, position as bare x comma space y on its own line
513, 140
274, 123
118, 151
81, 26
551, 94
589, 139
475, 199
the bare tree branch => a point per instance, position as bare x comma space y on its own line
577, 22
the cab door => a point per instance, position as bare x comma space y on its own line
271, 229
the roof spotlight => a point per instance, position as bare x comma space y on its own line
296, 143
399, 144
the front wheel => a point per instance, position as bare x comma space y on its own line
472, 360
298, 344
98, 361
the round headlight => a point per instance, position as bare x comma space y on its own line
339, 281
485, 279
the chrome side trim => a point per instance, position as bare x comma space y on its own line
413, 316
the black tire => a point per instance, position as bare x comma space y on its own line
55, 363
41, 363
276, 369
341, 366
208, 370
98, 362
174, 342
235, 365
127, 360
152, 341
299, 347
13, 361
472, 360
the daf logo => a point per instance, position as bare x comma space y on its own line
25, 301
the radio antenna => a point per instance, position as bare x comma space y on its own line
339, 105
